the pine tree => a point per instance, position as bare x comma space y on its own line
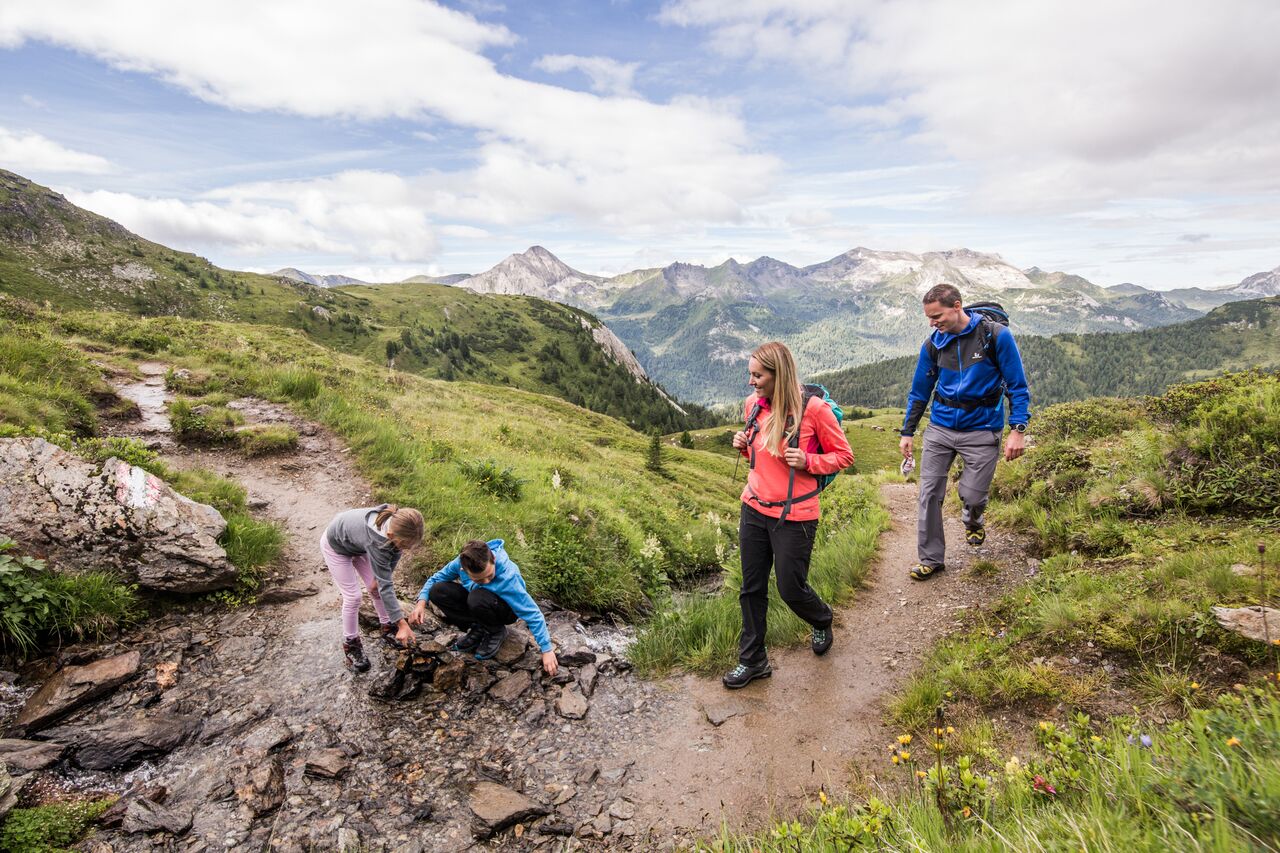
686, 440
654, 457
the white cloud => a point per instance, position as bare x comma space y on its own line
31, 153
607, 76
34, 102
645, 163
1064, 104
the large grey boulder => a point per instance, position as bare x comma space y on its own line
9, 790
28, 755
76, 513
124, 743
72, 687
1255, 623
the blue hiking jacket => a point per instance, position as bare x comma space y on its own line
963, 374
507, 584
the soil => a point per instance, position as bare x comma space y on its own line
646, 767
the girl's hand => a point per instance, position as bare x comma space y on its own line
796, 458
404, 634
739, 440
419, 614
550, 663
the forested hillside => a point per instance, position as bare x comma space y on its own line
1236, 336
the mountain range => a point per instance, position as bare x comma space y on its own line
693, 327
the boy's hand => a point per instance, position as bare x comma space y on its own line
550, 663
419, 614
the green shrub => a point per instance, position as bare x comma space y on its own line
264, 439
298, 384
130, 450
500, 482
1095, 418
49, 829
204, 423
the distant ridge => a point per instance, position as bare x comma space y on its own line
452, 278
318, 280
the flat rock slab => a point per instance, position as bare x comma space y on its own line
145, 816
123, 743
241, 650
285, 594
73, 687
571, 704
331, 763
1248, 622
719, 711
511, 687
269, 736
513, 645
260, 788
29, 755
497, 807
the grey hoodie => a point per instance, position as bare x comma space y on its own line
352, 534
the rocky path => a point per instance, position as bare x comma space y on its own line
244, 731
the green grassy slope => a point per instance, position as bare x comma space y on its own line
1236, 336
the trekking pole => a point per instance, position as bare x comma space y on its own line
1273, 677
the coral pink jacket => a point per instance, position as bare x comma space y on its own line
767, 479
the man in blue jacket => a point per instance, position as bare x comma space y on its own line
969, 364
483, 591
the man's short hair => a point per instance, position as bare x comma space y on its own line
475, 556
947, 295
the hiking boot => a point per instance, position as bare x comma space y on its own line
976, 535
742, 675
388, 636
920, 571
820, 641
354, 651
492, 641
467, 642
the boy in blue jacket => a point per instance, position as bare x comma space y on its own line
482, 590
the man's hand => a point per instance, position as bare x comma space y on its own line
905, 444
404, 634
1015, 446
740, 440
419, 614
550, 663
796, 458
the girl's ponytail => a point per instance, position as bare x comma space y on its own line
391, 510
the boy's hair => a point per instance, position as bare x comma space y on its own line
946, 295
475, 556
406, 527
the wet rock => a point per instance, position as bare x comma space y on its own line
423, 812
261, 788
571, 704
571, 645
10, 788
563, 676
448, 676
537, 710
497, 807
29, 755
285, 594
719, 711
556, 827
587, 679
1249, 622
269, 736
113, 818
331, 763
145, 816
511, 687
73, 687
241, 650
114, 516
124, 743
232, 722
517, 639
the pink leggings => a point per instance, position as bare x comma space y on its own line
348, 572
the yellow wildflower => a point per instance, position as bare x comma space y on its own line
1233, 741
895, 758
904, 739
967, 811
906, 756
951, 730
920, 774
1095, 739
1043, 725
822, 796
1195, 685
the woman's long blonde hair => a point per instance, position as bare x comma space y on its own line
784, 408
406, 527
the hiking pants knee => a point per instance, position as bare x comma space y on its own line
463, 609
349, 574
786, 548
980, 450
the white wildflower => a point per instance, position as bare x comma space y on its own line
524, 543
555, 480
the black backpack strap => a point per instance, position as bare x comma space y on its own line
791, 472
751, 429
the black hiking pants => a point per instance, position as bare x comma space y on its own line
785, 548
462, 609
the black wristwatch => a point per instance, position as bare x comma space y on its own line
1018, 427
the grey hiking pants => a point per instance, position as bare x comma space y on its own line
980, 450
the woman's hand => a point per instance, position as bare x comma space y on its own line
419, 614
739, 440
796, 458
550, 663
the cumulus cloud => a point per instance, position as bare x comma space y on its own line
607, 76
1065, 103
31, 153
419, 60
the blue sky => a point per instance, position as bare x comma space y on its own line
1134, 141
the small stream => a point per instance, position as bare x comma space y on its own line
149, 395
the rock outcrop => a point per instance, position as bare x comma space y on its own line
73, 687
79, 514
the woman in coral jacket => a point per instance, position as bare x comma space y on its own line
780, 511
